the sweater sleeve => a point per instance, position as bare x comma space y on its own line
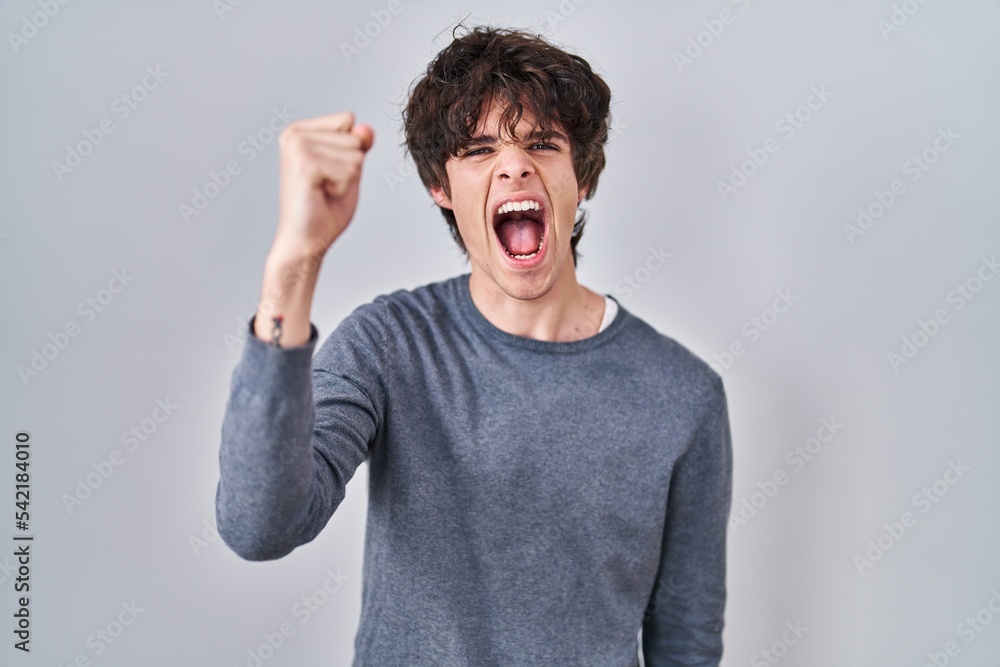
294, 433
684, 618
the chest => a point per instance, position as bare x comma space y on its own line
570, 436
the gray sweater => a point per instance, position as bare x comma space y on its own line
530, 502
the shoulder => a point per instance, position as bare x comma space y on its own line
668, 366
424, 307
395, 313
427, 297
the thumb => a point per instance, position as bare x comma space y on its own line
367, 135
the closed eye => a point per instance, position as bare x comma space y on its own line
482, 151
475, 152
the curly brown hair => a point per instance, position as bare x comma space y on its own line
522, 72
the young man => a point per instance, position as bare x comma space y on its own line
548, 475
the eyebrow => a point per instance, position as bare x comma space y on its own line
535, 135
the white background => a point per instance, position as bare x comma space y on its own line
679, 129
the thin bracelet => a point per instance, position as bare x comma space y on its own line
276, 331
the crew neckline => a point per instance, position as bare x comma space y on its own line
471, 311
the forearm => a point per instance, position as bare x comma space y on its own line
287, 291
267, 471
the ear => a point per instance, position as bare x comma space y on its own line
440, 198
581, 195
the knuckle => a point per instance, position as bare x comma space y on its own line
289, 138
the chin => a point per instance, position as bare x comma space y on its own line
525, 285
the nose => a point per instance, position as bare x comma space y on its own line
513, 162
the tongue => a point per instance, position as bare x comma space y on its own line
521, 236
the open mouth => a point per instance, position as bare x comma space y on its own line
520, 227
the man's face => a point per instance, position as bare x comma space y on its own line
522, 252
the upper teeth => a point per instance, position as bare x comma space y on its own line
519, 206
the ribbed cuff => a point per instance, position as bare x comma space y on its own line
266, 370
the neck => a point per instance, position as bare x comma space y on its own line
567, 312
